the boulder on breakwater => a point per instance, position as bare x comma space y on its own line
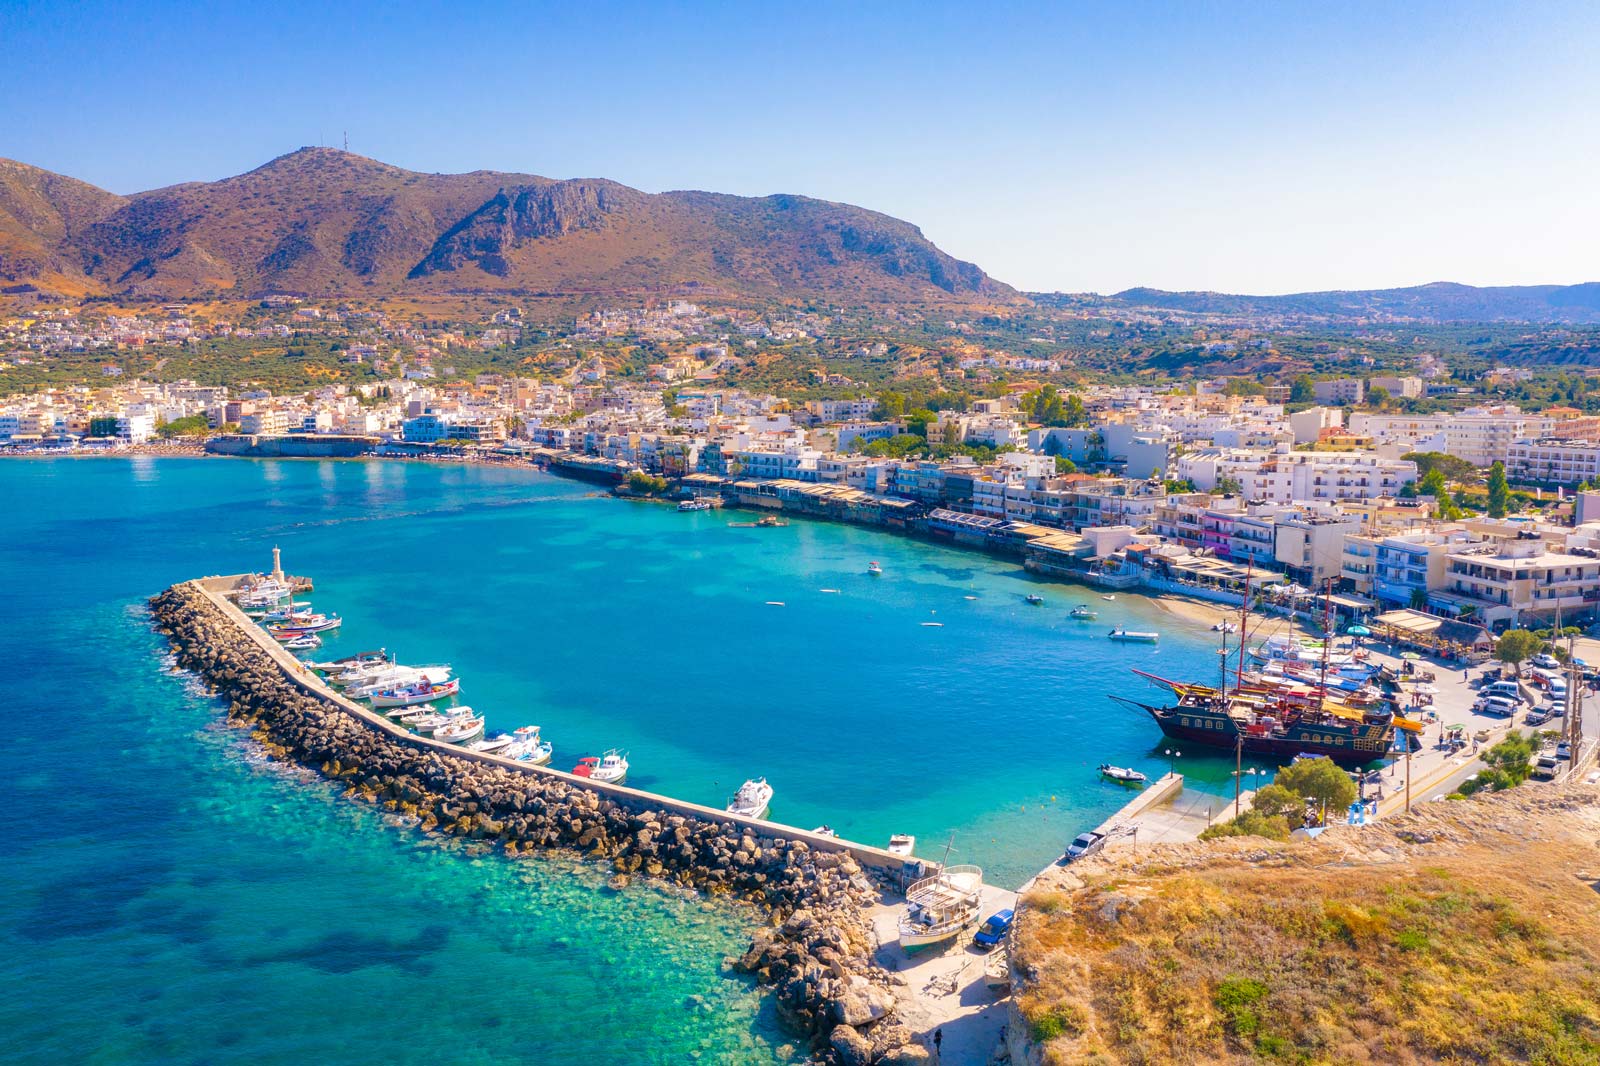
816, 953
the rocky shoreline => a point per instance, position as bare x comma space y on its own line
815, 953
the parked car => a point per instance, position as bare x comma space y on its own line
1546, 661
1507, 689
1544, 767
1504, 706
1538, 716
1563, 750
1085, 844
995, 929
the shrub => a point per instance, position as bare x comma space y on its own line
1063, 1019
1237, 998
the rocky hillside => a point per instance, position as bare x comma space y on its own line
1462, 933
323, 222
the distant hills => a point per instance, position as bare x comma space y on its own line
321, 222
1439, 302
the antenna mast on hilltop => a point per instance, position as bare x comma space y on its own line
347, 140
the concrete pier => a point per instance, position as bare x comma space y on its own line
217, 589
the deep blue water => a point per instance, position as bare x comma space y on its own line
166, 897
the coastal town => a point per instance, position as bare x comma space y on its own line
1194, 488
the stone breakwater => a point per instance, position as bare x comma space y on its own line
815, 952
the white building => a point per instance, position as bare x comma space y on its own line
1560, 462
1289, 477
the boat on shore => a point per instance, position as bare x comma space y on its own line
526, 746
414, 694
941, 907
1083, 613
610, 768
752, 800
1133, 636
1122, 775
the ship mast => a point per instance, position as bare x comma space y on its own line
1327, 636
1244, 622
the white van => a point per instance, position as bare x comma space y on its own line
1501, 705
1508, 689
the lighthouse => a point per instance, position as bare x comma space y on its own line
277, 565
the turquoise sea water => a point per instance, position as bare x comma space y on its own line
170, 898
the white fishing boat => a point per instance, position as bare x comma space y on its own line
304, 643
874, 569
498, 744
339, 666
941, 907
1133, 636
460, 730
1122, 775
1083, 613
414, 694
315, 624
610, 768
752, 799
696, 504
426, 720
398, 677
902, 844
300, 610
527, 747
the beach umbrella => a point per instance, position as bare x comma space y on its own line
1358, 631
1409, 655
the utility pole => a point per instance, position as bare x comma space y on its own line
1574, 724
1408, 774
1238, 770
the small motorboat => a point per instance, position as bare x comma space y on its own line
495, 745
902, 844
1108, 597
304, 643
1122, 775
933, 625
420, 692
1034, 598
610, 768
696, 504
461, 729
752, 799
1134, 636
527, 747
874, 569
824, 831
1083, 613
1225, 627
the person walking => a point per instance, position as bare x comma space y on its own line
938, 1045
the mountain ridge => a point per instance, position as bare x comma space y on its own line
322, 222
1439, 301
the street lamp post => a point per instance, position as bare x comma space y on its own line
1172, 762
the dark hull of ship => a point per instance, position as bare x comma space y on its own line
1281, 749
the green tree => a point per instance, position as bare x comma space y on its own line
917, 421
1378, 396
1320, 780
1274, 801
1074, 412
1509, 763
1499, 491
1250, 823
1517, 645
1454, 469
1065, 465
189, 426
1304, 390
891, 405
1229, 486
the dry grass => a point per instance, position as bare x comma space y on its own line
1481, 949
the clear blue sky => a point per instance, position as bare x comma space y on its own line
1269, 147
